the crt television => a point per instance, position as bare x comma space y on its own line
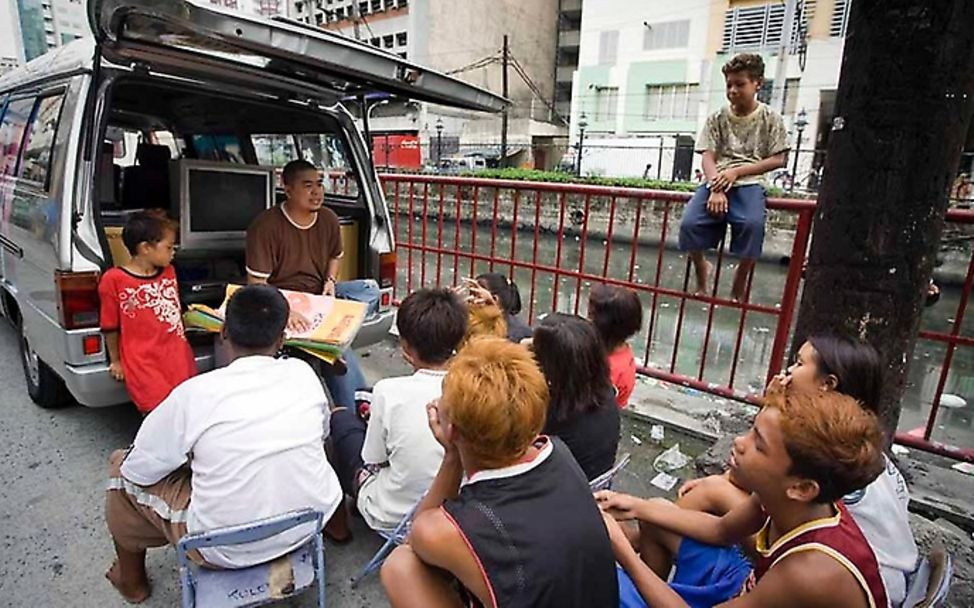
217, 201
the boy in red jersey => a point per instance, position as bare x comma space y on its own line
805, 451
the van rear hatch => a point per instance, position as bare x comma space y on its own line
277, 52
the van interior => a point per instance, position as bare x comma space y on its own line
212, 161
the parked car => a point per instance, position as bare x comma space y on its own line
214, 103
461, 164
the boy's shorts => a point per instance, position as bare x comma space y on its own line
746, 214
705, 576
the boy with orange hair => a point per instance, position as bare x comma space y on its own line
805, 451
522, 528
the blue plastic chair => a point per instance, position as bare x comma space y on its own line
393, 539
929, 584
253, 586
398, 535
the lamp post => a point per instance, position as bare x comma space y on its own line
582, 123
439, 140
800, 123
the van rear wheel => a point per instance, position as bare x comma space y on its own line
44, 386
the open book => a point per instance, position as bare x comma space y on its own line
334, 323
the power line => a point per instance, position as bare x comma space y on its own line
535, 89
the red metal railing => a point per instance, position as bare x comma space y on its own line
555, 239
922, 437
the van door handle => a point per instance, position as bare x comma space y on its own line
11, 246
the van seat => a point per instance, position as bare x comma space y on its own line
120, 253
146, 185
109, 178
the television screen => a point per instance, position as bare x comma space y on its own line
225, 201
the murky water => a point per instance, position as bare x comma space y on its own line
682, 347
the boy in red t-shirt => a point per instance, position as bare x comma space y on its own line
617, 314
141, 316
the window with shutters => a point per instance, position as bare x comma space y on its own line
668, 35
840, 18
608, 47
757, 28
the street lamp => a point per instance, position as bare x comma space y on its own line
801, 121
439, 140
582, 123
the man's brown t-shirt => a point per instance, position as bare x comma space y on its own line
289, 256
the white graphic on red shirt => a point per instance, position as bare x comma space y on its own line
161, 297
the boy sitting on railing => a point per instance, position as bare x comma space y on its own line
740, 143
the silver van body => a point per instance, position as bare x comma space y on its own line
54, 113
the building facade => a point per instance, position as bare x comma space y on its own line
262, 8
650, 73
566, 54
11, 45
465, 40
42, 25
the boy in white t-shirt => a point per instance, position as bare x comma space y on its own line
387, 464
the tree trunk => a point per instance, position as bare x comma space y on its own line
904, 104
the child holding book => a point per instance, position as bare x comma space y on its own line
141, 316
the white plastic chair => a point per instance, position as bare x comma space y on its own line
260, 584
604, 481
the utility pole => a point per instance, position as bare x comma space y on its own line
784, 47
504, 92
894, 148
356, 20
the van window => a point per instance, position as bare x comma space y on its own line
274, 150
328, 152
223, 148
175, 145
39, 145
12, 133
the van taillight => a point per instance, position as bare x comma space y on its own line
77, 299
387, 269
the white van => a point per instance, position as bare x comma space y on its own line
182, 106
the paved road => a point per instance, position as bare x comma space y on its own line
55, 547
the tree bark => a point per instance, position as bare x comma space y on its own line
903, 108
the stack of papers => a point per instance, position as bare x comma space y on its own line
333, 323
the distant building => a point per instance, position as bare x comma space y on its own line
566, 55
262, 8
7, 64
43, 25
649, 75
464, 39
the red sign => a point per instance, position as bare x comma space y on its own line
396, 150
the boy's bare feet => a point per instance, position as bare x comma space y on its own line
702, 270
739, 287
133, 592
